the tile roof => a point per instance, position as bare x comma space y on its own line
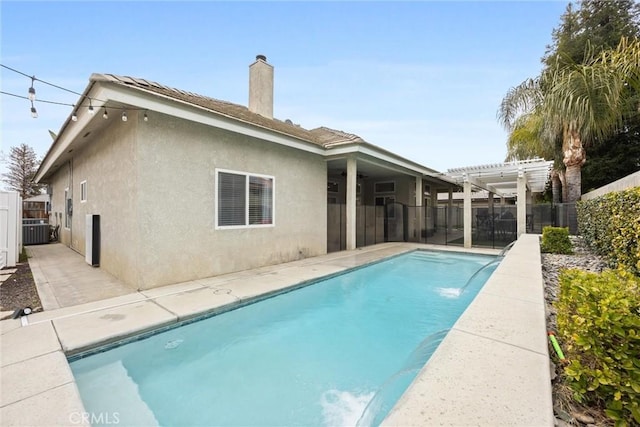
329, 137
322, 136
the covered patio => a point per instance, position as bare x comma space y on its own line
374, 196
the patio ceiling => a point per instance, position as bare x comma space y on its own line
504, 176
372, 168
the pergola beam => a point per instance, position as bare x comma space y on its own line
477, 183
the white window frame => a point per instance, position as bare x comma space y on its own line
375, 187
248, 175
83, 191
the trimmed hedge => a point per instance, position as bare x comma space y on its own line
610, 225
556, 240
599, 326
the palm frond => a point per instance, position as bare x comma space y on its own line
519, 100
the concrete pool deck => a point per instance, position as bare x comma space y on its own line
491, 369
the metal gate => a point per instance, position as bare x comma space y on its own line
395, 222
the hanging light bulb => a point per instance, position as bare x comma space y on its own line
145, 118
32, 91
34, 113
124, 116
91, 112
105, 115
74, 117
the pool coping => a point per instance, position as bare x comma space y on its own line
51, 336
501, 341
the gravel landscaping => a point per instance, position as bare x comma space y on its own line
19, 291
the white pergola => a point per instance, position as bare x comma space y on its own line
519, 178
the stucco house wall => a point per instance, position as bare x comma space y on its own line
108, 165
404, 190
151, 171
59, 181
177, 179
153, 185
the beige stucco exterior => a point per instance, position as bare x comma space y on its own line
152, 180
153, 185
108, 164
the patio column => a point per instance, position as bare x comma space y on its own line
433, 209
529, 226
419, 209
352, 175
522, 203
450, 211
490, 202
467, 215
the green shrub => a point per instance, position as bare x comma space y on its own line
610, 225
555, 240
599, 326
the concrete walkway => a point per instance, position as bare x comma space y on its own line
64, 279
491, 369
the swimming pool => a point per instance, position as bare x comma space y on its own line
315, 356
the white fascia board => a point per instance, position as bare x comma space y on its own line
68, 133
184, 110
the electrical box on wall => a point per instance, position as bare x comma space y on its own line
92, 242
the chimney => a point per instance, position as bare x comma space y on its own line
261, 87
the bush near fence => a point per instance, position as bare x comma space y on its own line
610, 225
556, 240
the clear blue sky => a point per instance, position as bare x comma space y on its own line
423, 79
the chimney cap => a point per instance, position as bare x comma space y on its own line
261, 57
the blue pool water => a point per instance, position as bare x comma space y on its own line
338, 352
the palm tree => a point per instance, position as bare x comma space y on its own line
527, 141
577, 104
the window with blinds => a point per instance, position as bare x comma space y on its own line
260, 200
244, 199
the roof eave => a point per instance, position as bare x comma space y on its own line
47, 162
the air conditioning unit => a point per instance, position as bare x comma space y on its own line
92, 240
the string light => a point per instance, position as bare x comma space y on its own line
32, 91
31, 97
39, 100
